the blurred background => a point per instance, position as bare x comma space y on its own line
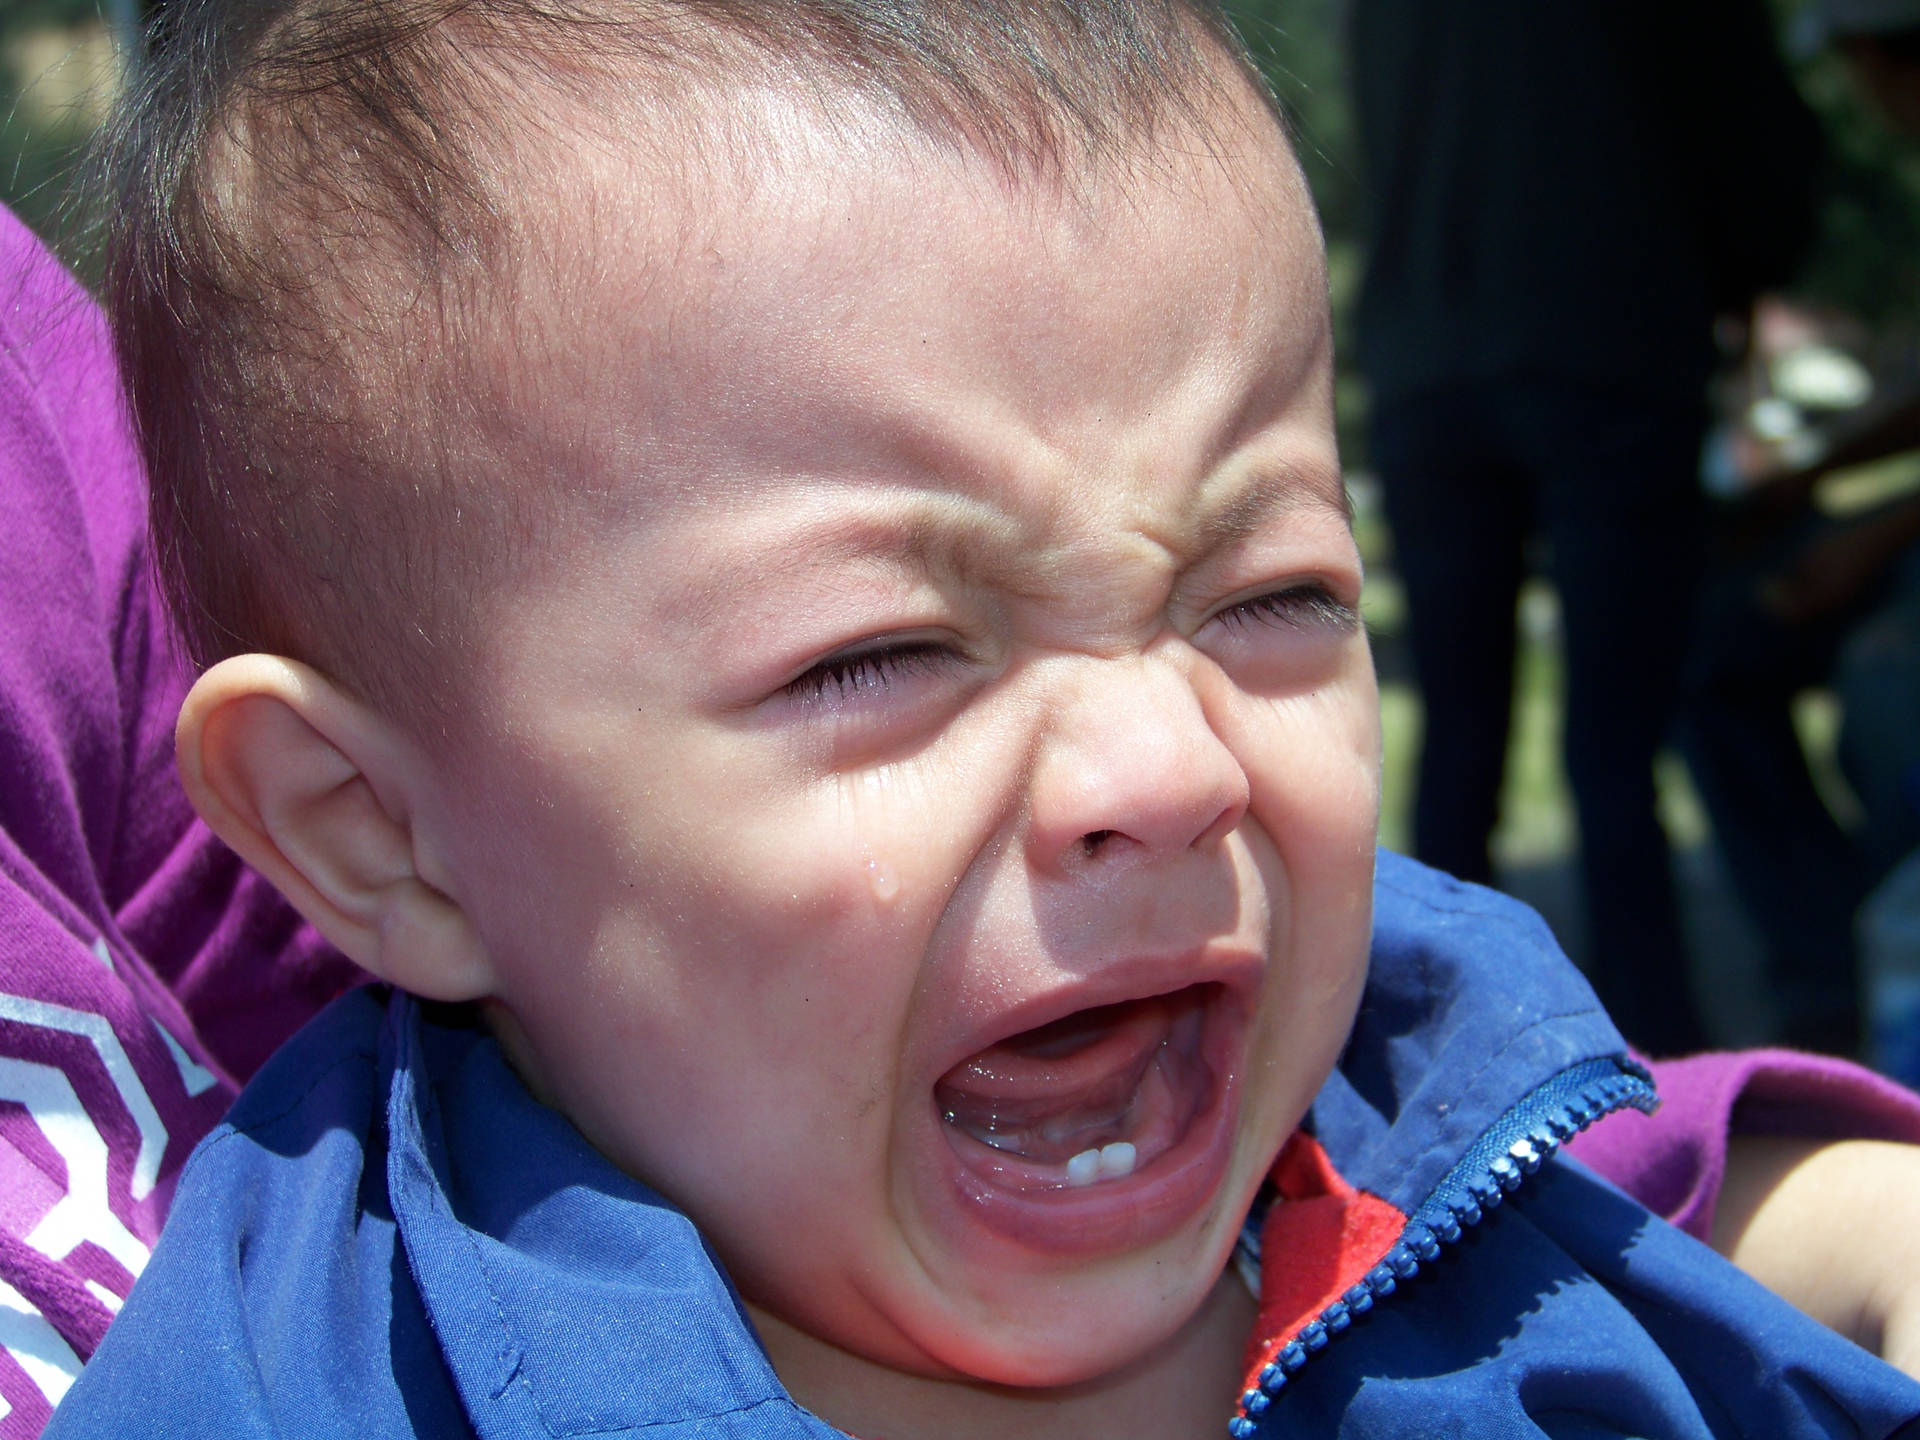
1806, 358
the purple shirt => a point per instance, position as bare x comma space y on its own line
1673, 1161
142, 969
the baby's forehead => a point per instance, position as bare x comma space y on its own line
916, 368
644, 276
677, 183
824, 312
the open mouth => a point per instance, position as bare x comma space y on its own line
1094, 1097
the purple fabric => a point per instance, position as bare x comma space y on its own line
143, 970
1674, 1161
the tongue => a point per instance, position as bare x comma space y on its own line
1050, 1092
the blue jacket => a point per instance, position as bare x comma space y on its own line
389, 1236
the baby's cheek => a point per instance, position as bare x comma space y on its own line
802, 927
1315, 786
1313, 767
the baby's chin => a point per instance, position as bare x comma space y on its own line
1094, 1328
1076, 1334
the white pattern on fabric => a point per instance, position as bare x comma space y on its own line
113, 1056
83, 1213
195, 1079
36, 1346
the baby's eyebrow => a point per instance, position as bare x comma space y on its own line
1268, 493
945, 536
976, 542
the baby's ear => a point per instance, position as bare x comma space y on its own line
317, 792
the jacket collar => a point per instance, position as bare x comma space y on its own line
1469, 1006
560, 1289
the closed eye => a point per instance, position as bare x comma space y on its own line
842, 679
1309, 605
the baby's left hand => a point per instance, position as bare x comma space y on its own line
1833, 1227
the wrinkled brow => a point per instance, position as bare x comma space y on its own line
976, 543
928, 537
1270, 493
933, 536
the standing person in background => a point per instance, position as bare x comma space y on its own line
1563, 199
1803, 598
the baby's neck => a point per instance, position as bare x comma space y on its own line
1185, 1390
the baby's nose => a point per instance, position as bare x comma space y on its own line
1130, 765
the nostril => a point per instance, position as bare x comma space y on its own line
1094, 839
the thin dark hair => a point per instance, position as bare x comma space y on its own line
299, 203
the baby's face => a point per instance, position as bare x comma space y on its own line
923, 821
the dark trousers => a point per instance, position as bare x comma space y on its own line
1798, 874
1608, 478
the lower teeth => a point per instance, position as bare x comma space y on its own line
1109, 1162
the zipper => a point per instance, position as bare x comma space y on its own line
1498, 1163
